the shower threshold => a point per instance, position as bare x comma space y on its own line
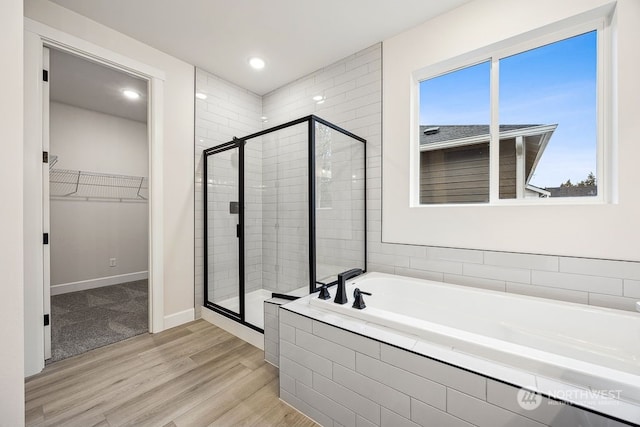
254, 304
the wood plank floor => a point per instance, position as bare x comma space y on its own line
192, 375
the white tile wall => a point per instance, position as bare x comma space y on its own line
285, 229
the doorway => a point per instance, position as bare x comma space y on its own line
97, 211
38, 36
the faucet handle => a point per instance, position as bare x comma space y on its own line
358, 299
324, 292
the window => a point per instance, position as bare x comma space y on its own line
521, 124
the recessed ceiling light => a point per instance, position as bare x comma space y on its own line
131, 94
318, 98
264, 119
256, 63
200, 95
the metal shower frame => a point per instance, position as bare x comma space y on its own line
239, 143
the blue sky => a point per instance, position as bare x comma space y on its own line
553, 84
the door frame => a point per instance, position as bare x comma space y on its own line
36, 37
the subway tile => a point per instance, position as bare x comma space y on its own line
380, 268
546, 292
305, 408
600, 267
632, 288
436, 265
603, 285
403, 250
295, 370
391, 419
327, 349
392, 260
295, 320
306, 358
363, 422
611, 301
271, 347
326, 406
420, 274
271, 321
518, 260
347, 339
271, 308
287, 383
373, 390
411, 384
453, 254
352, 400
519, 275
483, 414
450, 376
549, 412
272, 358
476, 282
426, 415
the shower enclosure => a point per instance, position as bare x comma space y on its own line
284, 212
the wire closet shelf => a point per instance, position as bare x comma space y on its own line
75, 184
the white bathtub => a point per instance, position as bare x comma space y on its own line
589, 347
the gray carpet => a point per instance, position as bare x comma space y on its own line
84, 320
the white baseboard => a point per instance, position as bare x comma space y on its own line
83, 285
179, 318
245, 333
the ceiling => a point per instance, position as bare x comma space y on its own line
86, 84
294, 37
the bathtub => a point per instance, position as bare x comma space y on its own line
589, 347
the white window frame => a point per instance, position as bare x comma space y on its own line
493, 54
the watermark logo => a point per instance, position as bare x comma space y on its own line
528, 398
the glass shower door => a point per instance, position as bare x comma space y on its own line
222, 248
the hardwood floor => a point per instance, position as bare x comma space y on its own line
193, 375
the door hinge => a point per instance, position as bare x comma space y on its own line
45, 238
46, 320
45, 157
45, 75
238, 230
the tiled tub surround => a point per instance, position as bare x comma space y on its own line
340, 370
272, 330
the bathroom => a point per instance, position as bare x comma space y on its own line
549, 258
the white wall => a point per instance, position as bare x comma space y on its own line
85, 234
596, 230
177, 135
11, 182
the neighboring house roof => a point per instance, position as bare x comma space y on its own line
455, 132
439, 137
575, 191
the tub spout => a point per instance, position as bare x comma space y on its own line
341, 292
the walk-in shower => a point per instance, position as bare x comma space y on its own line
284, 211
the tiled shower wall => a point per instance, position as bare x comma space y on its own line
339, 203
353, 91
285, 210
